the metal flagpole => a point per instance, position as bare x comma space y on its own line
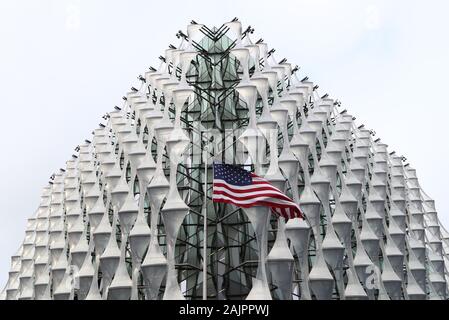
205, 227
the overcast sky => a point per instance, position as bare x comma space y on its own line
65, 63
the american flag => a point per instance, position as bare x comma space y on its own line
245, 189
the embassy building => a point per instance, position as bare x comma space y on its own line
131, 215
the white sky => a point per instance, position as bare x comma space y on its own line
64, 63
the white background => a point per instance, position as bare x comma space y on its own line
64, 63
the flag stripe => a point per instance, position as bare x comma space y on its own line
254, 185
291, 215
253, 199
264, 190
277, 206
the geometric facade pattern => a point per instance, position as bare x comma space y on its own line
125, 218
